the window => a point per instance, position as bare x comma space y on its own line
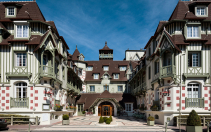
22, 31
201, 11
194, 59
120, 88
106, 87
89, 68
20, 59
79, 72
128, 107
92, 88
116, 76
10, 11
21, 90
122, 68
81, 58
149, 72
96, 76
105, 68
156, 67
193, 90
193, 31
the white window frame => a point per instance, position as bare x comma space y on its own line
16, 59
122, 68
89, 68
92, 86
21, 24
81, 58
127, 107
116, 77
194, 60
105, 68
80, 72
96, 76
192, 31
118, 88
192, 89
200, 11
22, 87
8, 10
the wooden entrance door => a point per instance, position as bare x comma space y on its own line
106, 110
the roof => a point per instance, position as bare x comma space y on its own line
31, 7
113, 68
89, 98
75, 54
171, 39
106, 47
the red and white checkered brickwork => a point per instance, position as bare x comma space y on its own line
0, 97
161, 99
5, 98
206, 98
31, 99
183, 92
51, 98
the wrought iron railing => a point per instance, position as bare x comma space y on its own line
19, 102
194, 102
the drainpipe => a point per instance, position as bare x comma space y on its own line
180, 91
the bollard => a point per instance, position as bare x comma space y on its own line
11, 120
29, 126
36, 120
208, 125
166, 127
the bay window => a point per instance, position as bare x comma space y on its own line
192, 31
22, 31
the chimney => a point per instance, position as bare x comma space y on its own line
105, 42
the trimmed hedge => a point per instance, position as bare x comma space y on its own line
65, 117
101, 120
105, 118
15, 119
193, 119
111, 118
108, 121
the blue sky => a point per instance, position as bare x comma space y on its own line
122, 23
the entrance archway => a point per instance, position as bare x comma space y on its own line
106, 109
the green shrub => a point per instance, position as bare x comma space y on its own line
15, 119
101, 120
193, 119
65, 117
150, 118
108, 121
83, 112
105, 118
111, 118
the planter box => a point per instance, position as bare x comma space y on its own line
65, 122
150, 123
58, 109
194, 128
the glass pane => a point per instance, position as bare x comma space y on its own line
19, 30
189, 31
198, 11
25, 31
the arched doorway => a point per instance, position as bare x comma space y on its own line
105, 109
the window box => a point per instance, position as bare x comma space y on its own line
58, 108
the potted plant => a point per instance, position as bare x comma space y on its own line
65, 120
193, 122
154, 108
58, 107
150, 121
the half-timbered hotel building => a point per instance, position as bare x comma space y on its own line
35, 68
174, 74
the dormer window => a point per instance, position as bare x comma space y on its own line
96, 76
122, 68
116, 76
200, 11
89, 68
10, 11
105, 68
192, 31
81, 58
22, 30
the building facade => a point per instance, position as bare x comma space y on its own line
174, 74
36, 71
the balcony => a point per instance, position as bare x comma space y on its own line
73, 88
195, 72
194, 102
19, 102
140, 89
167, 71
19, 72
47, 71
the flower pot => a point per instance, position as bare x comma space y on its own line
150, 123
65, 122
194, 128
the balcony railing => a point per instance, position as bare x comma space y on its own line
19, 102
194, 102
167, 71
47, 71
140, 88
195, 71
19, 71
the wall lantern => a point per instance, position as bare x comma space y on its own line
166, 92
47, 93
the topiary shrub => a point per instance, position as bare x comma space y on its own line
108, 121
111, 118
83, 112
193, 119
101, 120
65, 117
105, 118
150, 118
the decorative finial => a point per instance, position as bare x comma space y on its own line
105, 42
76, 46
